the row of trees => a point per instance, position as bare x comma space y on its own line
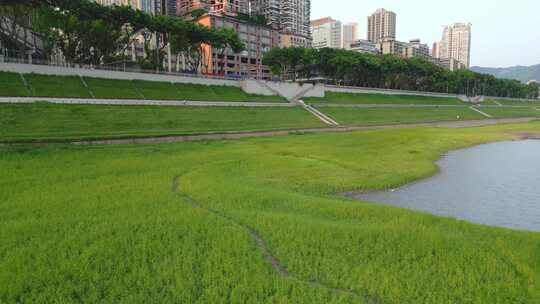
343, 67
88, 33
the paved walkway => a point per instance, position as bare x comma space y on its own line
139, 102
398, 106
248, 134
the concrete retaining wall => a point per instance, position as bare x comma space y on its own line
256, 87
360, 90
66, 71
289, 90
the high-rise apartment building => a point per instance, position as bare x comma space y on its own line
290, 17
436, 50
170, 7
257, 39
349, 35
381, 25
114, 2
149, 6
184, 7
415, 48
456, 44
326, 33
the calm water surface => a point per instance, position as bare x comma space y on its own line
496, 184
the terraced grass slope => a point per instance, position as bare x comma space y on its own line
506, 102
352, 98
371, 116
143, 224
116, 89
11, 85
57, 86
512, 112
42, 121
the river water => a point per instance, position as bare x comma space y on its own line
495, 184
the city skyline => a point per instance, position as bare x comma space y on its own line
415, 19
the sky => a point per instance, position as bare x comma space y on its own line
504, 32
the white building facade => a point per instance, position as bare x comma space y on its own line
456, 44
326, 33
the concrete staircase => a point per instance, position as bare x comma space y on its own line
321, 116
301, 94
269, 88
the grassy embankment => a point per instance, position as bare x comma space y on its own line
11, 85
350, 98
103, 224
505, 102
44, 121
500, 112
369, 116
377, 116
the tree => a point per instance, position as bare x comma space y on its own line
343, 67
89, 33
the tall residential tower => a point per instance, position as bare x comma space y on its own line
382, 26
290, 17
349, 34
456, 44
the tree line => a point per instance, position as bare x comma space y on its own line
350, 68
88, 33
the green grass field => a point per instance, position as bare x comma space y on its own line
514, 103
512, 112
167, 224
220, 93
11, 85
109, 88
56, 86
373, 116
351, 98
52, 121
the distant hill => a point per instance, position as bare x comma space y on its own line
521, 73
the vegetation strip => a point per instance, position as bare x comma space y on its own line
263, 247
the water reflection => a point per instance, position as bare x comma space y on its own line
495, 184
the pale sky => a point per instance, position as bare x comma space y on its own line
504, 33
